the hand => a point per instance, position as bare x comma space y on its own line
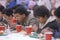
46, 30
1, 24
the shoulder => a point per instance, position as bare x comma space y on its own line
33, 21
52, 25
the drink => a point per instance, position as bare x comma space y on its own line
48, 35
1, 32
18, 28
28, 30
2, 28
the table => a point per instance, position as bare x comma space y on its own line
17, 36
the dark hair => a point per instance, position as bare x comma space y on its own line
41, 11
8, 12
35, 6
1, 8
57, 12
21, 10
14, 7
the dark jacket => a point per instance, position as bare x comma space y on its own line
52, 25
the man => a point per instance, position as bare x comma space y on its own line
8, 16
46, 23
21, 15
1, 14
32, 3
10, 3
25, 3
55, 3
3, 2
57, 15
46, 3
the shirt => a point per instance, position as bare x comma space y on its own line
25, 4
57, 3
11, 4
3, 2
46, 3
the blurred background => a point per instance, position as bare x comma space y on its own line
50, 4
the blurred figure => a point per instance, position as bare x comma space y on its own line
21, 15
32, 3
57, 15
1, 13
32, 20
57, 23
46, 23
14, 7
3, 2
46, 3
23, 2
8, 0
55, 3
10, 3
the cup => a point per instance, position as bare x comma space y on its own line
1, 32
28, 30
48, 35
18, 28
2, 28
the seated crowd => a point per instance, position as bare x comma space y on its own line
41, 22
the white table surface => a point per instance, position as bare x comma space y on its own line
16, 36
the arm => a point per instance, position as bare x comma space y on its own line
53, 3
34, 24
47, 29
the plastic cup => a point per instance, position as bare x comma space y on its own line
18, 28
48, 35
2, 28
28, 30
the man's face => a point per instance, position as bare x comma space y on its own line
41, 19
8, 18
19, 17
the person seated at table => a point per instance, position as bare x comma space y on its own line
57, 22
8, 16
57, 15
1, 14
21, 15
46, 23
52, 11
